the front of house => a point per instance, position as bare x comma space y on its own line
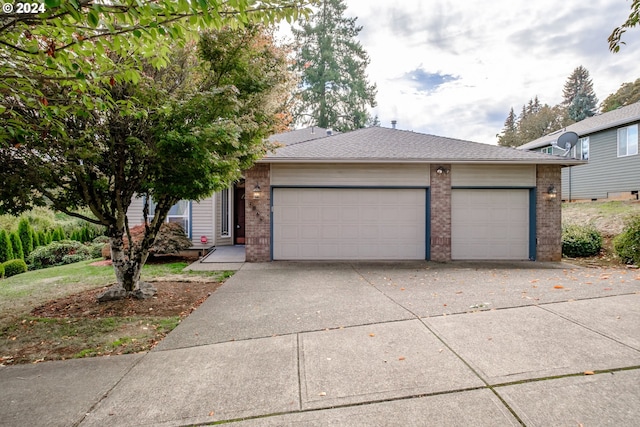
609, 142
385, 194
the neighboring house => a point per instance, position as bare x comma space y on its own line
609, 142
385, 194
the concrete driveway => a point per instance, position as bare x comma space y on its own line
370, 344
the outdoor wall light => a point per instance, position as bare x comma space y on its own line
441, 170
552, 193
257, 192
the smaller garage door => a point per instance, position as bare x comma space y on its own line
490, 224
349, 224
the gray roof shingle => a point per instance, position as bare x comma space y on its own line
299, 135
393, 145
610, 119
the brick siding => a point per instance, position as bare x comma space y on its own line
548, 214
258, 214
440, 214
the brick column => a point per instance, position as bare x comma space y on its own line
440, 214
548, 214
258, 214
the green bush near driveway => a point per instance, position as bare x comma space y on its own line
580, 241
627, 244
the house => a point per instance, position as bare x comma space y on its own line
609, 142
385, 194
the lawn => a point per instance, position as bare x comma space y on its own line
52, 313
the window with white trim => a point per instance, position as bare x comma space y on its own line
581, 150
547, 150
225, 206
628, 141
179, 213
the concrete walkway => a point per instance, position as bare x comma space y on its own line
368, 344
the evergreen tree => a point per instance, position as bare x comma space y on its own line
509, 136
579, 97
26, 236
16, 246
333, 91
6, 251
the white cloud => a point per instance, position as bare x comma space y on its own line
491, 55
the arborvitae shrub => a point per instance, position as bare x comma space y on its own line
26, 236
16, 246
13, 267
6, 251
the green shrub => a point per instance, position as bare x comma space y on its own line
580, 241
26, 236
627, 244
1, 271
58, 253
16, 246
6, 251
13, 267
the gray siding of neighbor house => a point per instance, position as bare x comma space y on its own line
134, 213
606, 174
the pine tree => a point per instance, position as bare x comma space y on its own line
334, 91
579, 97
26, 236
6, 251
509, 136
16, 246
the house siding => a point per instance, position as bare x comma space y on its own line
134, 213
493, 176
378, 175
202, 220
606, 174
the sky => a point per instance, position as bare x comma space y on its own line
455, 69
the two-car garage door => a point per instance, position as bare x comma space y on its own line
348, 223
388, 224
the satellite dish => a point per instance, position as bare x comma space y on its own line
566, 142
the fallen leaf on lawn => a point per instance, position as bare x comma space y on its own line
459, 292
402, 289
558, 287
608, 289
534, 281
401, 358
372, 335
212, 413
322, 393
589, 373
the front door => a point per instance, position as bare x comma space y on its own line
238, 215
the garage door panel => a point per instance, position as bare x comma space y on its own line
349, 223
490, 224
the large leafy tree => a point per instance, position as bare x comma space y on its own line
334, 91
627, 94
180, 131
615, 38
579, 97
87, 45
535, 120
